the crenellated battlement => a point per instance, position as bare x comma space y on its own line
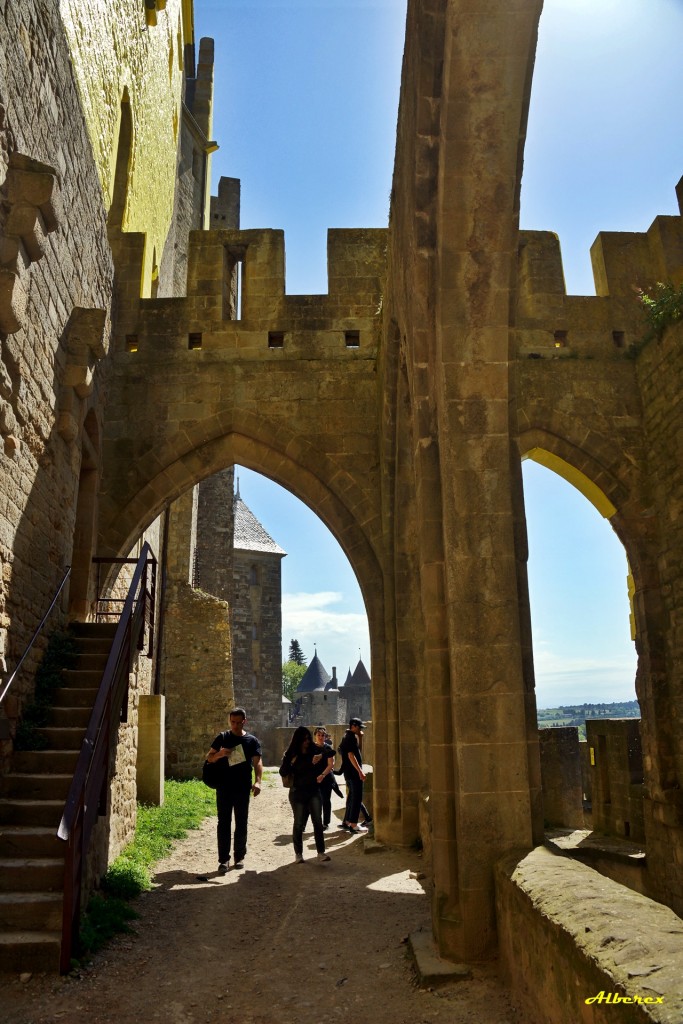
549, 322
236, 297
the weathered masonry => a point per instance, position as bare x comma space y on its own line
399, 407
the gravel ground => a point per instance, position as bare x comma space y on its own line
275, 943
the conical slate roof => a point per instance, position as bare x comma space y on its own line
360, 675
349, 678
316, 677
248, 534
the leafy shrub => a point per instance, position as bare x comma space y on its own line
662, 308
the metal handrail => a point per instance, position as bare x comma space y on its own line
5, 690
89, 789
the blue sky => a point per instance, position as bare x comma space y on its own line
306, 96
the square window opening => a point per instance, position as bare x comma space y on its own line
276, 339
194, 340
352, 339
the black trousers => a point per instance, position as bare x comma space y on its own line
229, 802
354, 798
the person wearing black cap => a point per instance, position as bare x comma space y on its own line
354, 776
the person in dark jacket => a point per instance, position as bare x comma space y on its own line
354, 776
304, 763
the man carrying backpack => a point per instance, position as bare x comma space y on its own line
239, 752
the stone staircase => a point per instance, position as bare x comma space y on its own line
32, 797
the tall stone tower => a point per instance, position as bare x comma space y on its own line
257, 625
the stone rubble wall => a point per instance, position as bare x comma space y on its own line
69, 270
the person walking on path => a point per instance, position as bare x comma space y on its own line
303, 762
240, 753
326, 777
354, 776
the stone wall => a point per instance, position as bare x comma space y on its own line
212, 570
561, 777
660, 374
257, 641
617, 777
117, 57
568, 933
195, 671
56, 281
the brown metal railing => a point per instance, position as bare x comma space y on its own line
108, 609
90, 786
60, 588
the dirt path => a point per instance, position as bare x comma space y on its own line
273, 944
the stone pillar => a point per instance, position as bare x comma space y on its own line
562, 778
151, 749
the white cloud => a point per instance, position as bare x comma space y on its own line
567, 680
311, 619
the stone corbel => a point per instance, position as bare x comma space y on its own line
84, 344
29, 212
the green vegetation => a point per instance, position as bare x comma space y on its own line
292, 674
61, 652
662, 308
576, 714
186, 804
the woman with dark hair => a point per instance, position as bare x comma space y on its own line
301, 761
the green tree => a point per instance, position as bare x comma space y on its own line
292, 674
296, 654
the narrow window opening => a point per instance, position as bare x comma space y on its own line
238, 296
131, 343
627, 828
194, 340
352, 339
619, 338
276, 339
560, 339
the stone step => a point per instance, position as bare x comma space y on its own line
30, 950
49, 761
46, 813
81, 679
35, 787
90, 661
31, 874
96, 646
64, 717
91, 630
30, 841
71, 697
31, 911
62, 738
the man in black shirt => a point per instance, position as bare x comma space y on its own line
240, 752
354, 776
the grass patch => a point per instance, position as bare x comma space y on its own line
186, 804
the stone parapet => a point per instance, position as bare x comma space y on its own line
568, 934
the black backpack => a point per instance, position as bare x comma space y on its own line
212, 773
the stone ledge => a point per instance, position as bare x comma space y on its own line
568, 934
432, 971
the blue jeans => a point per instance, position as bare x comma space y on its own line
304, 804
354, 797
227, 803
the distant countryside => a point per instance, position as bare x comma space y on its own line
576, 714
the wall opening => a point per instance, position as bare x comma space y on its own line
579, 594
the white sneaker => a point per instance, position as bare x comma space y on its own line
323, 856
299, 859
357, 829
